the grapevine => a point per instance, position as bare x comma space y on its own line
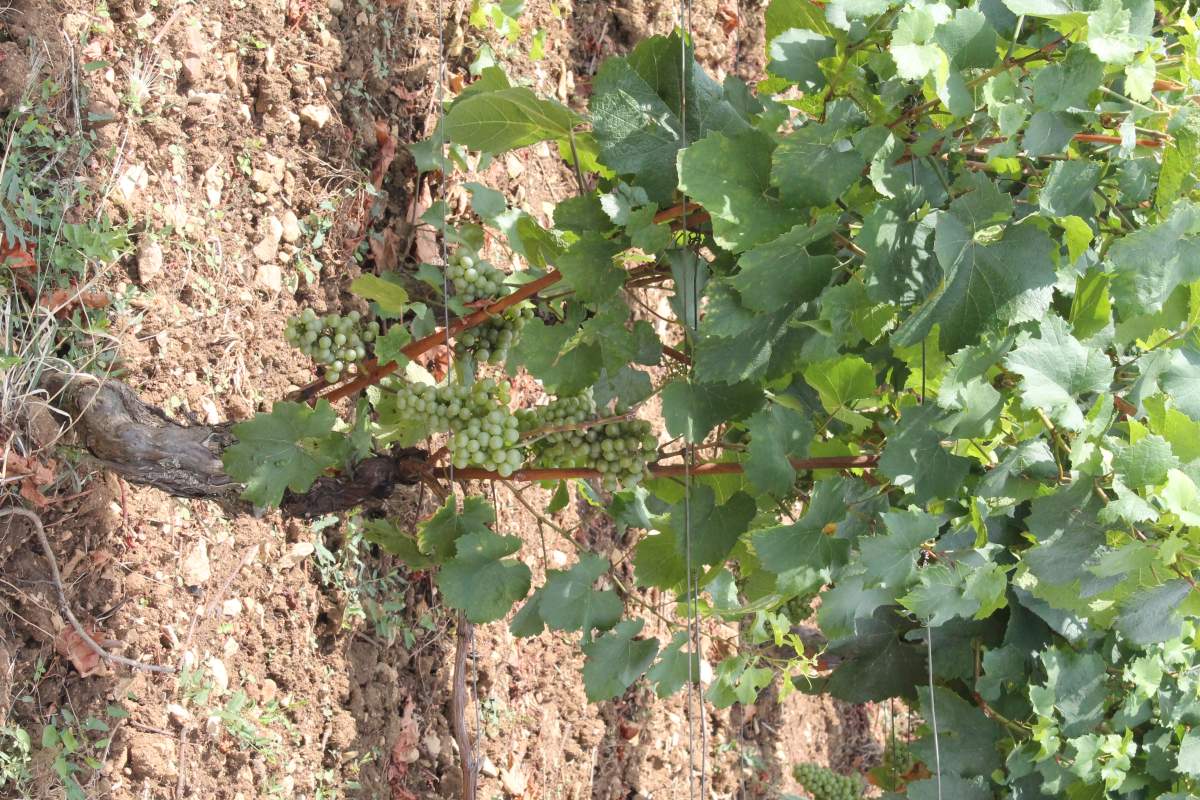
936, 288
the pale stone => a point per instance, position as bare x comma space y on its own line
291, 226
195, 568
317, 116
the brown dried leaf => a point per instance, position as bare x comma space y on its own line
70, 645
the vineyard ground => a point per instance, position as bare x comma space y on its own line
305, 685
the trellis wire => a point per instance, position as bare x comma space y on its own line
937, 750
470, 760
695, 698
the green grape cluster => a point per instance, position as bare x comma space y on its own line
824, 784
799, 607
490, 342
483, 431
473, 278
337, 343
618, 450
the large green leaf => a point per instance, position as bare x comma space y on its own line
496, 121
694, 409
915, 460
614, 661
1057, 369
777, 433
286, 448
1150, 262
967, 739
568, 601
796, 55
635, 112
587, 267
713, 528
479, 580
985, 285
437, 537
744, 213
781, 272
816, 163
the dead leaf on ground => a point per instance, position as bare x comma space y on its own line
385, 249
387, 153
404, 750
728, 16
70, 645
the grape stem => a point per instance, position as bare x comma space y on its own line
373, 371
656, 470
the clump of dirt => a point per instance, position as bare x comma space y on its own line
240, 136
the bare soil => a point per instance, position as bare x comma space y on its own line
230, 117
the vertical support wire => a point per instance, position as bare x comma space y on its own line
937, 751
466, 634
695, 697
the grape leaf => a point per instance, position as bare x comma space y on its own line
500, 120
286, 448
816, 163
674, 667
587, 267
656, 561
841, 382
1110, 35
891, 559
915, 459
569, 603
1056, 369
635, 108
967, 738
1152, 615
968, 39
795, 55
1076, 684
390, 296
1188, 759
389, 348
1149, 263
1067, 84
693, 409
736, 195
781, 272
479, 580
386, 534
784, 14
984, 285
542, 350
777, 433
714, 528
808, 543
438, 536
1146, 462
1068, 189
615, 660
